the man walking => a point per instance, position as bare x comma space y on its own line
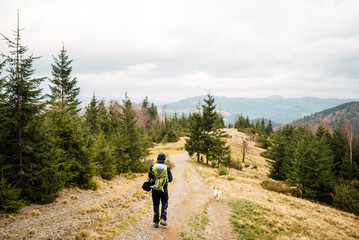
161, 175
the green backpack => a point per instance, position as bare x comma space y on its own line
160, 172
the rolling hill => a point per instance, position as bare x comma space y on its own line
275, 108
333, 117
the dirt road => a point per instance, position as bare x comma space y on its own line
120, 209
188, 193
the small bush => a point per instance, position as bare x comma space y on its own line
231, 178
36, 212
347, 197
236, 165
10, 197
222, 171
130, 175
276, 186
147, 163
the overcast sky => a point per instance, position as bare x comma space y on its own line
169, 50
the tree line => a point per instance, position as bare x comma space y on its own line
321, 165
46, 144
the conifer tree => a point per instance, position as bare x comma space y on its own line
9, 195
213, 143
103, 118
280, 153
209, 116
104, 156
132, 143
194, 141
21, 106
64, 89
92, 116
66, 130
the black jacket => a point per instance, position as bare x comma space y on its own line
151, 175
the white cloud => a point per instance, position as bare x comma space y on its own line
169, 50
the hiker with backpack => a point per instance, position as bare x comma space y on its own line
161, 175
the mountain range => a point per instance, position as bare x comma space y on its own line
347, 113
275, 108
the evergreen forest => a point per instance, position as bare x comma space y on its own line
46, 143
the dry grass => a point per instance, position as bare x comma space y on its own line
279, 215
36, 212
7, 236
74, 197
92, 208
168, 148
32, 231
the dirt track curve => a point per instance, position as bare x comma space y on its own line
188, 193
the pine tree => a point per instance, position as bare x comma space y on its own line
104, 156
312, 164
280, 153
194, 141
21, 106
92, 116
63, 87
104, 118
9, 195
132, 143
213, 145
209, 116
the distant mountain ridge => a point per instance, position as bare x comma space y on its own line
275, 108
333, 117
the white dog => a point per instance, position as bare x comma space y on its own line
217, 194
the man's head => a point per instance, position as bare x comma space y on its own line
161, 158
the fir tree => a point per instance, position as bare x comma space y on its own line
92, 116
209, 116
132, 143
194, 141
212, 137
21, 106
279, 153
9, 195
63, 87
104, 157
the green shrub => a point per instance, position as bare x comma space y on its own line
222, 171
347, 197
230, 178
276, 186
9, 197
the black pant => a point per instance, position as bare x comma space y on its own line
156, 197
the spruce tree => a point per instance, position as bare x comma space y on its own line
104, 118
21, 106
63, 88
209, 116
194, 141
280, 153
213, 143
68, 135
92, 116
132, 143
104, 156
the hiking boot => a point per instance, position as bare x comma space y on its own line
156, 225
163, 222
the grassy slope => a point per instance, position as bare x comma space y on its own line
262, 214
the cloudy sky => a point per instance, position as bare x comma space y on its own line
169, 50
